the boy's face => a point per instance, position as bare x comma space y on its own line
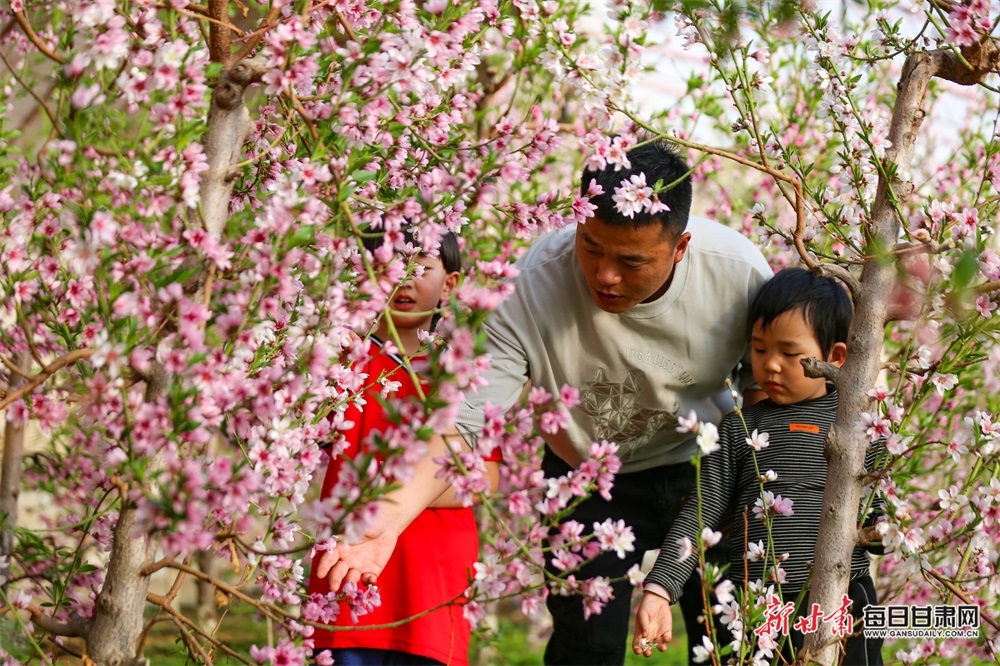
417, 297
775, 355
625, 266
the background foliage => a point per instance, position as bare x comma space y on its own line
181, 307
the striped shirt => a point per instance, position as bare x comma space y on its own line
730, 485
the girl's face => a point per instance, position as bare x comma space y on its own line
417, 298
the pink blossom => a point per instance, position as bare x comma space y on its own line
615, 536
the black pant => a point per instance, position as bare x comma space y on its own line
648, 501
858, 650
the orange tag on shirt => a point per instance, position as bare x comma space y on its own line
804, 427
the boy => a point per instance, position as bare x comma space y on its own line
434, 554
796, 315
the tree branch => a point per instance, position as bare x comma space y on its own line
982, 58
842, 274
228, 129
797, 201
255, 38
47, 371
954, 589
219, 48
816, 369
78, 627
15, 368
36, 40
843, 448
183, 623
10, 470
987, 287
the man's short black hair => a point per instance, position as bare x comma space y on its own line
824, 303
449, 252
659, 161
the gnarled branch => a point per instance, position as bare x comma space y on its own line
228, 129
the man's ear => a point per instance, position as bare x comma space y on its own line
838, 354
450, 282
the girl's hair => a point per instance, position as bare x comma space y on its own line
449, 252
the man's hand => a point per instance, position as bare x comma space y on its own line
361, 562
654, 625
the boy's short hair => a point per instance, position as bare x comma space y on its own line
659, 160
824, 303
451, 255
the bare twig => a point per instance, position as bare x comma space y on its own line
346, 26
253, 39
195, 652
183, 623
31, 91
798, 201
270, 609
201, 12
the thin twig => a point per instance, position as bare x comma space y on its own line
988, 287
270, 609
194, 650
201, 15
347, 26
38, 100
254, 38
954, 589
297, 105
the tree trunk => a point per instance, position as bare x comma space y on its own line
119, 611
118, 614
847, 441
207, 610
10, 473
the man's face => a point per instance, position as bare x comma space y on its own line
625, 266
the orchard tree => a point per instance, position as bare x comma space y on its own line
185, 294
878, 171
184, 188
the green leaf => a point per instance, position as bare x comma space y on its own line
362, 176
304, 235
965, 269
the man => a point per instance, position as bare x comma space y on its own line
646, 314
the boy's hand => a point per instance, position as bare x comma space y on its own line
357, 563
654, 625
